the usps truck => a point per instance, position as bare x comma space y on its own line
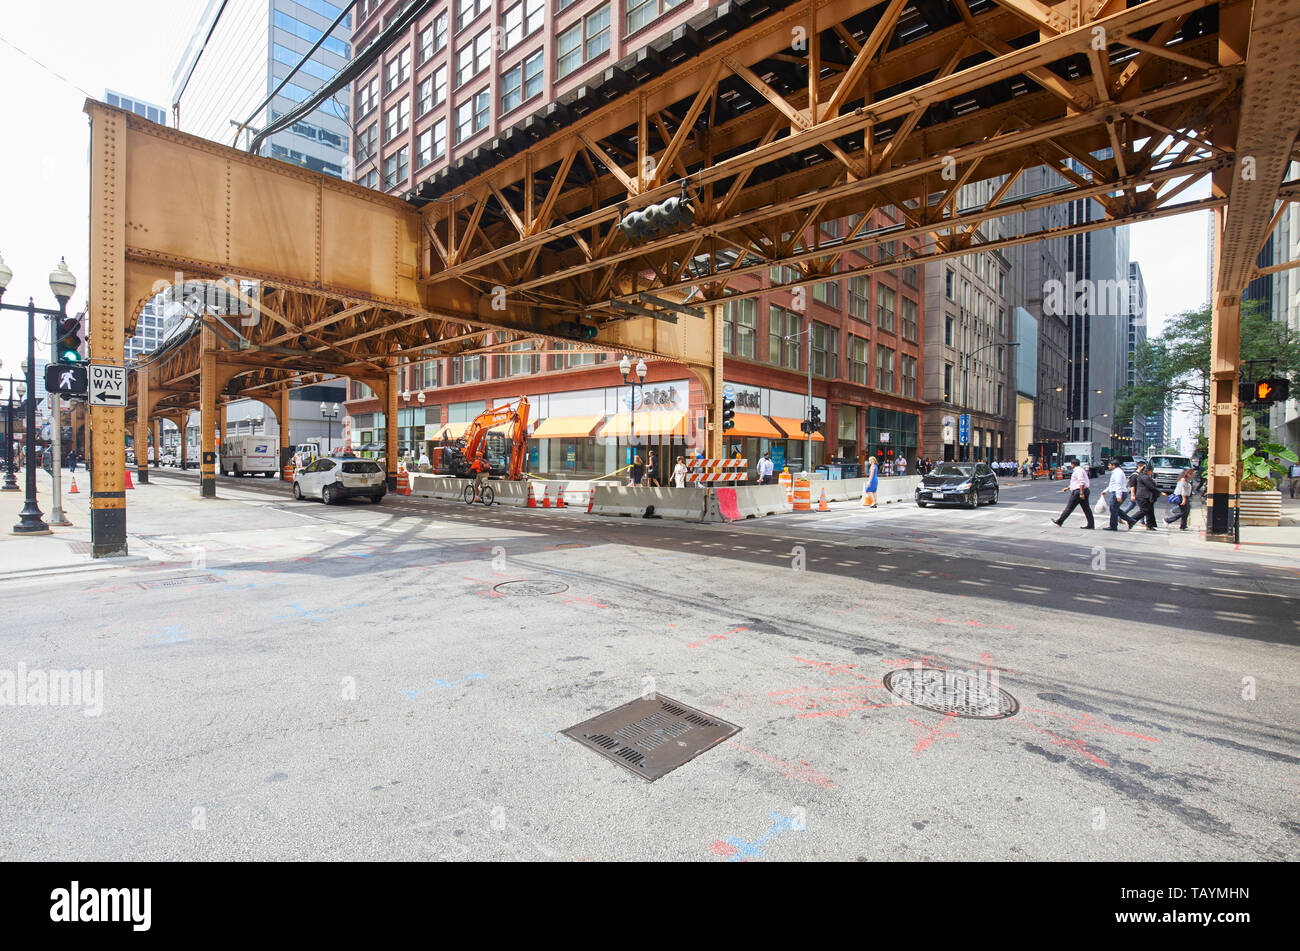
250, 455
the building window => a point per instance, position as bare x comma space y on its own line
824, 349
472, 115
582, 42
947, 382
909, 319
828, 292
430, 374
473, 58
860, 298
367, 98
642, 12
370, 179
739, 323
397, 119
858, 360
997, 410
425, 50
467, 10
884, 369
398, 70
947, 331
569, 356
367, 140
520, 363
521, 20
396, 168
439, 31
907, 366
781, 324
885, 308
1002, 320
521, 83
948, 283
431, 143
910, 275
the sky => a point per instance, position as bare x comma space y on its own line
132, 46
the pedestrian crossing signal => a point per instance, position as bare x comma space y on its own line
1271, 390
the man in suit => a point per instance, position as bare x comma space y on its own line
1146, 492
1079, 489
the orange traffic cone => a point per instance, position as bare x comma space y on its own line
868, 498
546, 498
591, 500
821, 502
532, 499
559, 497
74, 490
128, 478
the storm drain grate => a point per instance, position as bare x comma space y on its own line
652, 735
531, 589
974, 696
178, 582
78, 548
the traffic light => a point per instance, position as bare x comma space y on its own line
672, 214
805, 426
815, 419
728, 415
67, 345
578, 331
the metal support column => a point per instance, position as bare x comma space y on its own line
208, 417
390, 424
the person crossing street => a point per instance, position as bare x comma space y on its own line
1078, 488
1116, 490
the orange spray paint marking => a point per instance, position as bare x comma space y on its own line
925, 740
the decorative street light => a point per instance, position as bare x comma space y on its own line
625, 366
11, 484
63, 285
330, 414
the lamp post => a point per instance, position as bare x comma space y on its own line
329, 414
62, 284
965, 375
625, 366
11, 484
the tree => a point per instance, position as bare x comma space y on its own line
1174, 368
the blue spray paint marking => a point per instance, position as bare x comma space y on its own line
316, 615
413, 693
170, 635
754, 850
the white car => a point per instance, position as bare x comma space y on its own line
333, 480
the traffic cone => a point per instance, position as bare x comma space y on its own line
559, 497
532, 499
821, 502
868, 498
74, 490
128, 478
591, 500
546, 499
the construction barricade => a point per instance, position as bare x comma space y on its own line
635, 501
802, 494
716, 470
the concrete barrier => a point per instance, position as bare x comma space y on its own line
888, 489
632, 501
437, 487
756, 501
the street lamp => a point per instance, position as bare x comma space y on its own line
62, 284
329, 414
11, 484
807, 463
624, 367
966, 358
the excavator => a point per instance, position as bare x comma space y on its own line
481, 450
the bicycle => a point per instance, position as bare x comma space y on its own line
474, 493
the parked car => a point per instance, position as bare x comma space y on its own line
958, 483
1168, 470
333, 480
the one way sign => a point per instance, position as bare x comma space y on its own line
107, 385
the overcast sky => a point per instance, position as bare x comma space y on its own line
132, 46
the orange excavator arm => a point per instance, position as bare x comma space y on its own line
478, 430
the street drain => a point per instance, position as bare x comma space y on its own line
531, 589
652, 735
178, 582
972, 696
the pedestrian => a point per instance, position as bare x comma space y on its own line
1146, 492
638, 470
424, 461
679, 472
1078, 488
1180, 501
1116, 492
765, 469
1294, 485
652, 471
873, 481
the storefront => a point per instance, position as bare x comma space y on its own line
768, 420
892, 434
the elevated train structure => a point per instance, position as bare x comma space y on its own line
618, 217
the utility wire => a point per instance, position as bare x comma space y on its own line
52, 72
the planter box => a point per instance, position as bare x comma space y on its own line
1260, 508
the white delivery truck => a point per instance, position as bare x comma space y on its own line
1085, 453
250, 455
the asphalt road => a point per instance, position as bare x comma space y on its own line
291, 681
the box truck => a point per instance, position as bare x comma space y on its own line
250, 455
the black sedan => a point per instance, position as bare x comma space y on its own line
958, 483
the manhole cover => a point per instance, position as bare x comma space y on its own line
974, 696
531, 589
651, 736
178, 582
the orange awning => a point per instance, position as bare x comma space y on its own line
754, 425
567, 427
656, 422
450, 431
792, 430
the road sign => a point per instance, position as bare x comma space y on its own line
65, 380
963, 429
107, 385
